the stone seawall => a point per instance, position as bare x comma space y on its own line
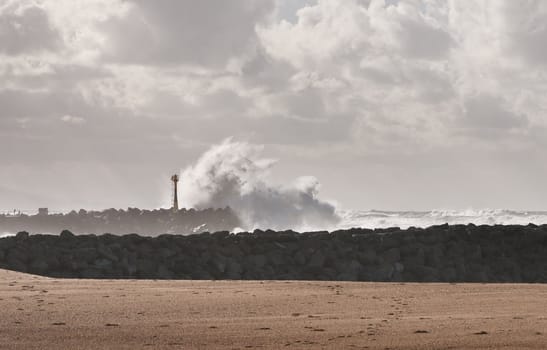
460, 253
141, 221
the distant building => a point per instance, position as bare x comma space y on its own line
43, 211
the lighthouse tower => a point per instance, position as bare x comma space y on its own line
175, 180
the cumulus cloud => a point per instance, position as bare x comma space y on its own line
319, 81
25, 28
178, 32
415, 64
488, 112
524, 27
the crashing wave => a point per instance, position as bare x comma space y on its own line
234, 174
405, 219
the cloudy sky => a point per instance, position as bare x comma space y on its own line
390, 104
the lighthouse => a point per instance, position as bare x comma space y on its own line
175, 180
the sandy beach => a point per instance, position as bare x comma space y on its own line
45, 313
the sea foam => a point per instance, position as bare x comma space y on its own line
405, 219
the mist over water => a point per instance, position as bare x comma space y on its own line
234, 174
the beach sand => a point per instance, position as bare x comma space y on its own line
44, 313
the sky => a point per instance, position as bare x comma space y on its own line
394, 105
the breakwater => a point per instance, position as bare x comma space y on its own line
458, 253
119, 221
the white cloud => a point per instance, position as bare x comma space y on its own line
393, 67
25, 28
355, 78
416, 66
72, 119
207, 32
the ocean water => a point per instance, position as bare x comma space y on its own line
405, 219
